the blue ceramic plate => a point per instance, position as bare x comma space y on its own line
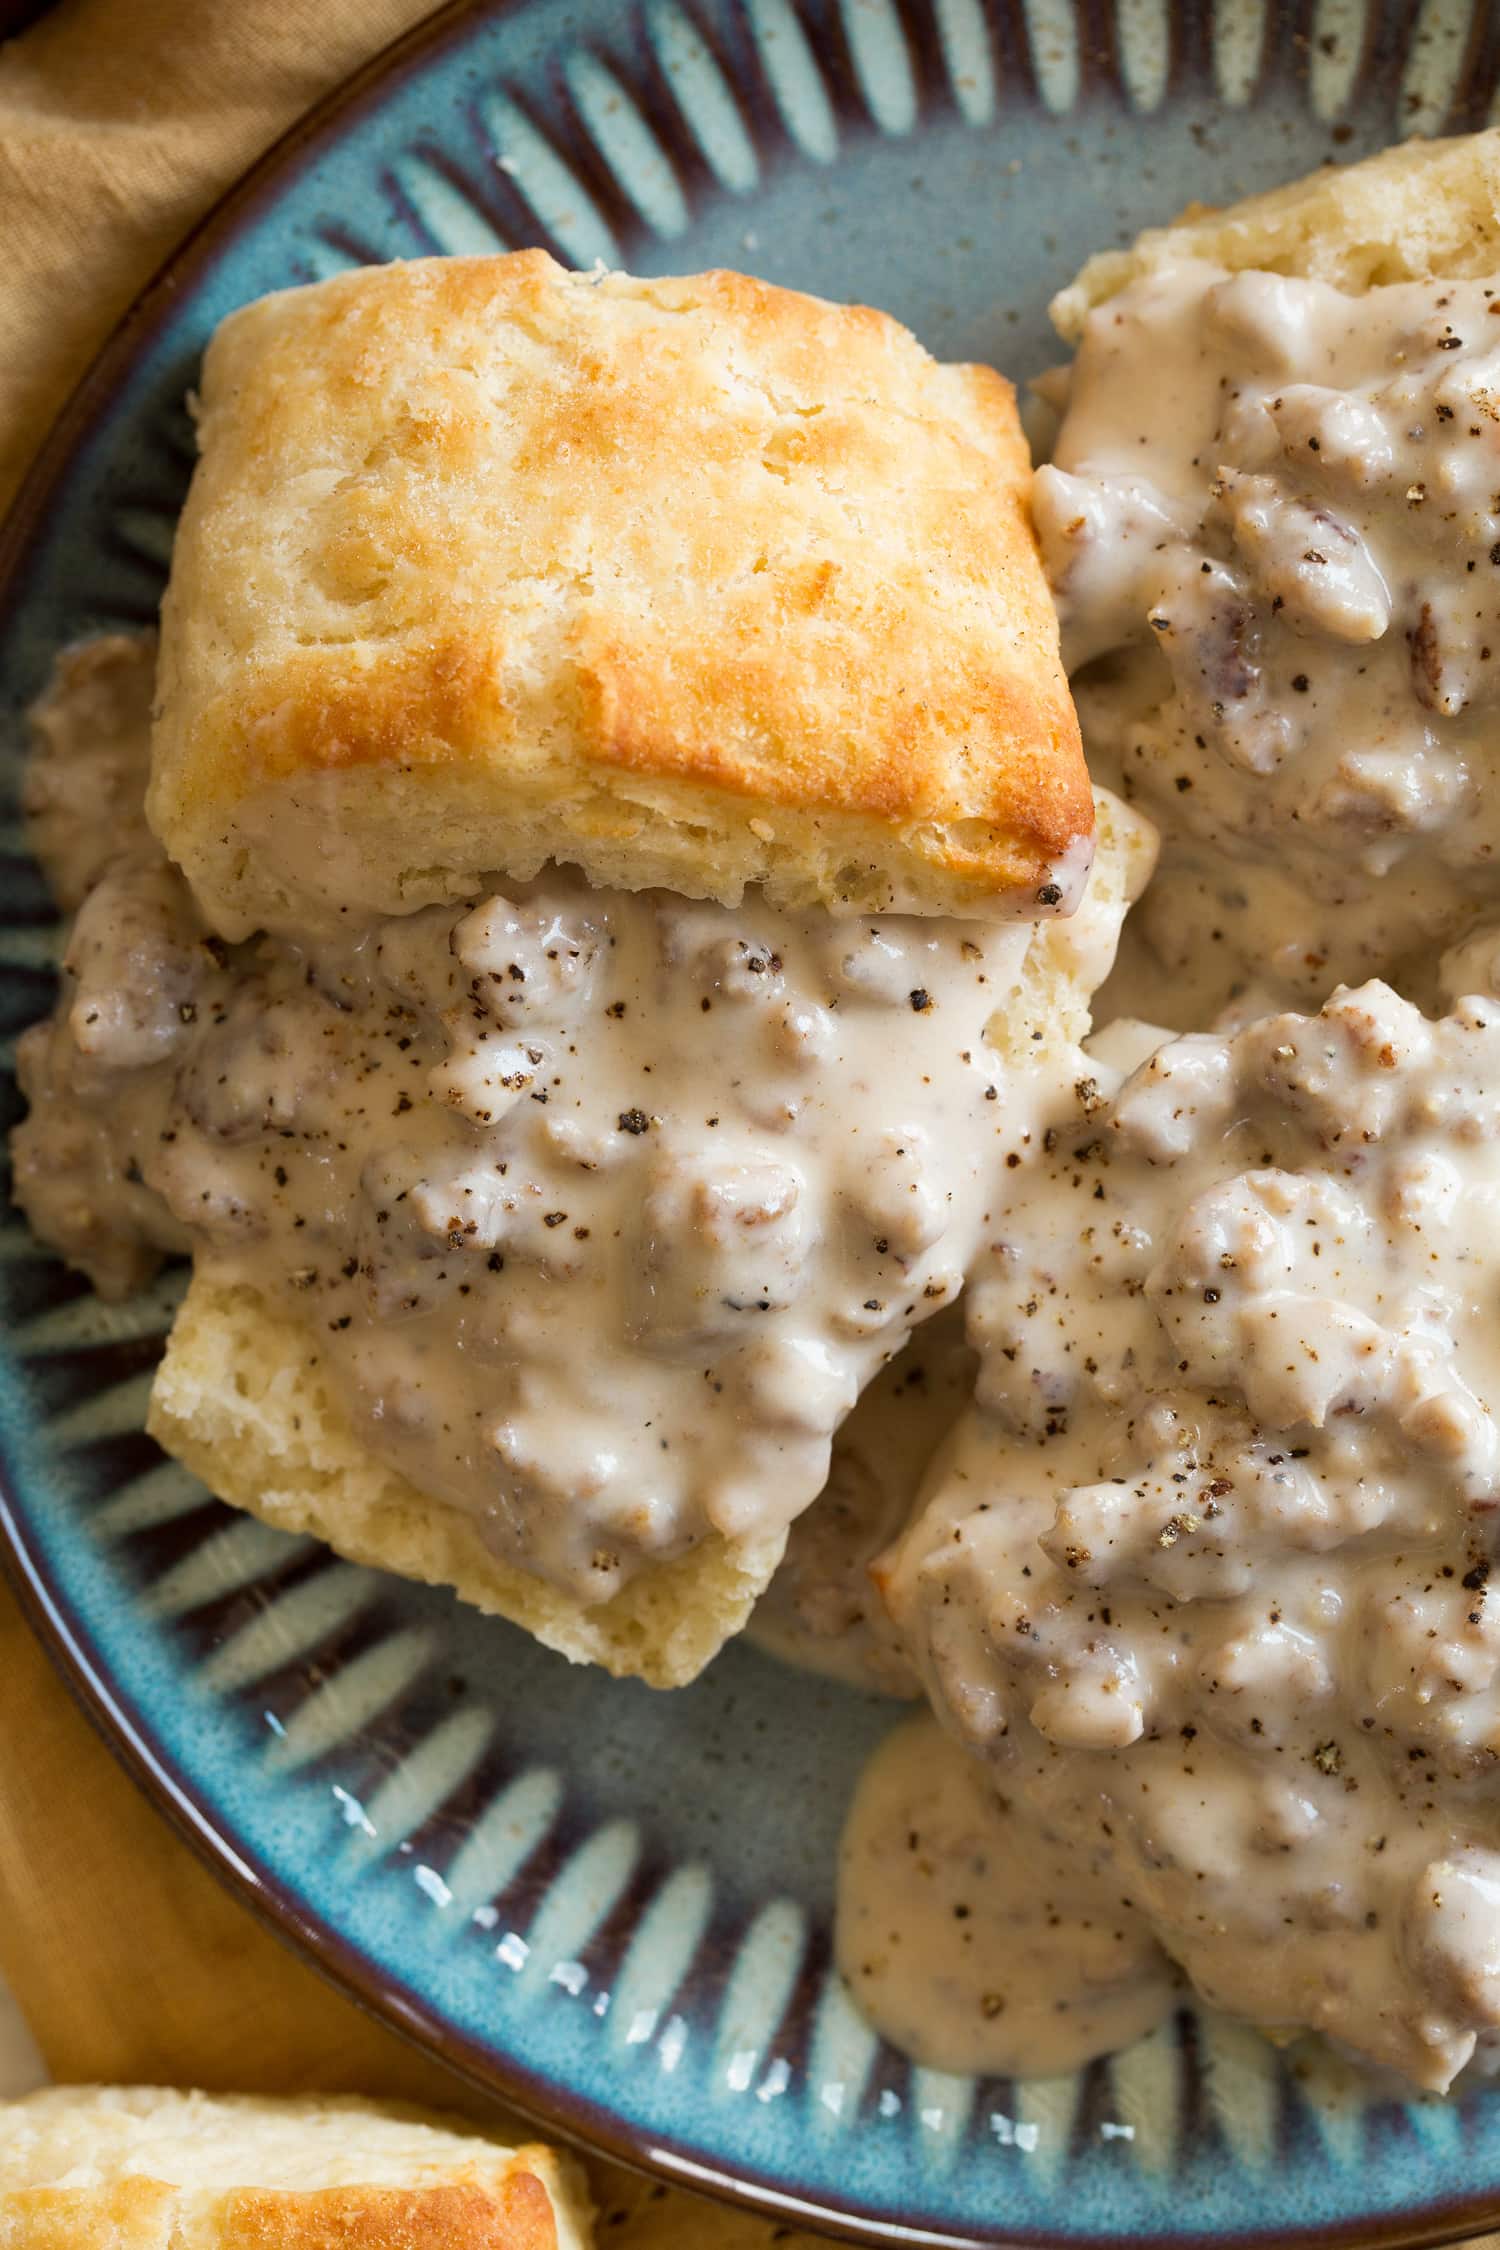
609, 1905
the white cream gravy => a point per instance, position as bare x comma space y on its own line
1204, 1580
973, 1941
601, 1207
821, 1610
1272, 522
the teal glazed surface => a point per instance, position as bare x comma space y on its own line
613, 1905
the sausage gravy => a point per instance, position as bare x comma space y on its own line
1272, 524
601, 1207
1203, 1581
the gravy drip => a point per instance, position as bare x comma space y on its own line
975, 1941
822, 1610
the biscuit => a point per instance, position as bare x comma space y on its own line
144, 2168
692, 582
243, 1400
1423, 210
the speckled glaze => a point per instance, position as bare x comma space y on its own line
610, 1905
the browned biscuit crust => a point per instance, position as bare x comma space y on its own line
693, 581
148, 2168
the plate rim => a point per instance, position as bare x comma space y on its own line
115, 1718
593, 2127
541, 2100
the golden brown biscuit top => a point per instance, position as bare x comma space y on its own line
144, 2214
647, 561
150, 2168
